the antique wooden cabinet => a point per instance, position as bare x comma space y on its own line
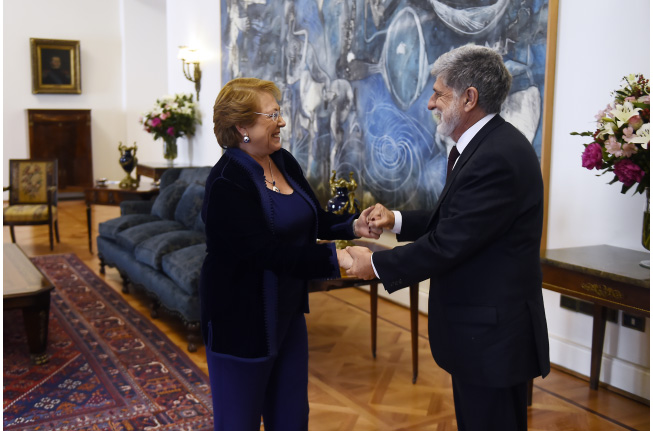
64, 134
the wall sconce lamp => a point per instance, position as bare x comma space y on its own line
190, 57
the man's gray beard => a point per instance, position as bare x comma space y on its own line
449, 122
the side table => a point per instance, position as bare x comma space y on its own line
112, 194
350, 281
25, 287
606, 276
155, 170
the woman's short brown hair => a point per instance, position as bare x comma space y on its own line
235, 105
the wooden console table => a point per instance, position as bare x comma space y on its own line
112, 194
25, 287
350, 281
608, 277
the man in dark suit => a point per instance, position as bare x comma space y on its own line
479, 246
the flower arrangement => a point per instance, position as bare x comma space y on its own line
171, 117
621, 141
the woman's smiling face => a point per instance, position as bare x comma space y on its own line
264, 134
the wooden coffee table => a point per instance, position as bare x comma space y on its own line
25, 287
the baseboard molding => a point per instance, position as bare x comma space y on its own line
628, 379
602, 385
615, 373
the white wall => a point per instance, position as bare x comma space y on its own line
129, 58
583, 208
196, 24
95, 25
144, 44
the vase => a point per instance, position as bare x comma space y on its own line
128, 162
646, 229
170, 149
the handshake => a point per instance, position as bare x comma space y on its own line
357, 261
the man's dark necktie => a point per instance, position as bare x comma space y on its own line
453, 155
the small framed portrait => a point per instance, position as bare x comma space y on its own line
56, 66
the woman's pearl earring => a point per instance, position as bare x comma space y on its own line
246, 139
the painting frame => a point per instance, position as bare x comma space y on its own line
56, 66
547, 113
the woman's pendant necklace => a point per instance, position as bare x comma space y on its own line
273, 182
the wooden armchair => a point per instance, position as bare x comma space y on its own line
32, 195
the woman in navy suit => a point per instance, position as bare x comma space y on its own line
480, 247
262, 222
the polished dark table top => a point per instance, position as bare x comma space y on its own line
604, 261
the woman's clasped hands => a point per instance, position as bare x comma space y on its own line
357, 260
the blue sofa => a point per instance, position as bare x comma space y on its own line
160, 245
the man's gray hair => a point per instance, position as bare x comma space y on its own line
479, 67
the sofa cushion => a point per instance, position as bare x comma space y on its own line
130, 238
166, 202
190, 205
184, 267
199, 223
195, 175
151, 251
111, 228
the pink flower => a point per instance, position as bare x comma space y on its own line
635, 121
165, 115
593, 156
154, 122
613, 147
171, 131
628, 172
628, 149
603, 113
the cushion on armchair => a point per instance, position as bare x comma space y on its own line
28, 213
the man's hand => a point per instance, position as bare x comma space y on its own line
344, 259
362, 227
362, 263
379, 217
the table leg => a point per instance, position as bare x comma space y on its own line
374, 299
414, 313
598, 336
36, 319
88, 227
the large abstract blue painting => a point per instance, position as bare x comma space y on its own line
355, 81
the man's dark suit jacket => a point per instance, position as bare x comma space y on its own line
480, 247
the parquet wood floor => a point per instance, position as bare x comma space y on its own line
348, 388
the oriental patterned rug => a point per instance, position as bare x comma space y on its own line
109, 369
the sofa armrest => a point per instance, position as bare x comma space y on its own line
136, 207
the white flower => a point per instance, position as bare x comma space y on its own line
622, 113
631, 79
607, 127
642, 136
